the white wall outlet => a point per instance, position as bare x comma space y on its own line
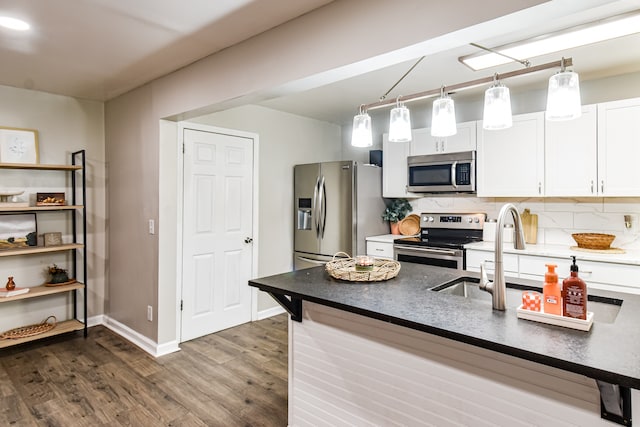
152, 227
150, 313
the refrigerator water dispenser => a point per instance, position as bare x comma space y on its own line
304, 214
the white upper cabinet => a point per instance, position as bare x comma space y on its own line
511, 161
619, 148
464, 140
571, 147
394, 168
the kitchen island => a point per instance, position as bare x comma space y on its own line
397, 353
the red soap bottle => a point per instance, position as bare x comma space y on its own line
574, 295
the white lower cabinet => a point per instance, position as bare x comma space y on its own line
598, 275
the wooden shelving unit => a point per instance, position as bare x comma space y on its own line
78, 217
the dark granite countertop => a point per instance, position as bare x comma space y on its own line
609, 351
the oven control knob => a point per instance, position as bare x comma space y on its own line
430, 219
476, 220
469, 220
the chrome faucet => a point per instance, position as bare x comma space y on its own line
498, 288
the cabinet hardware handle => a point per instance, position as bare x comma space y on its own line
591, 186
379, 250
539, 188
602, 186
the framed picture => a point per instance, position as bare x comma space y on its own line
18, 230
18, 145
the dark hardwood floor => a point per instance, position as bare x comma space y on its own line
236, 377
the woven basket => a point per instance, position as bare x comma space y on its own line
30, 330
345, 269
593, 240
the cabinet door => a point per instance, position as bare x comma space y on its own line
464, 140
570, 150
394, 168
511, 161
619, 148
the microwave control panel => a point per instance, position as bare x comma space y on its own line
463, 174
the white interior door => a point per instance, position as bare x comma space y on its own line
217, 232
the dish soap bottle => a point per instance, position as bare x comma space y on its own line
551, 292
574, 294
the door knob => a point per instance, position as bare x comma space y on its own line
248, 240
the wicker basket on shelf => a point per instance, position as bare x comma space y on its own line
593, 240
345, 269
30, 330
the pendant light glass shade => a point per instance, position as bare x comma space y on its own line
400, 124
443, 117
563, 97
497, 108
362, 135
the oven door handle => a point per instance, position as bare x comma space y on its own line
453, 174
427, 251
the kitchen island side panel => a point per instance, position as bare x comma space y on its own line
346, 369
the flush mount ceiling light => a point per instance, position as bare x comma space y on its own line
597, 31
13, 23
362, 135
399, 123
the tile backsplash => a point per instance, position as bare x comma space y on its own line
558, 218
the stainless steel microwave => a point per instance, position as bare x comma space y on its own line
442, 173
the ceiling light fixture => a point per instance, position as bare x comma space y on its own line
444, 108
362, 135
443, 116
563, 96
497, 106
13, 23
399, 123
597, 31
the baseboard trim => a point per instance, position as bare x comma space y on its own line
270, 312
146, 344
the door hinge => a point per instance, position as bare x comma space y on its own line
181, 305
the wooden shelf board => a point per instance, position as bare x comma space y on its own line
39, 249
40, 208
39, 291
40, 167
61, 328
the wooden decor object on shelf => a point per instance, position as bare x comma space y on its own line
30, 330
50, 199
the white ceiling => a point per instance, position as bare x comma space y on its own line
99, 49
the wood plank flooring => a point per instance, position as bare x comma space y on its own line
236, 377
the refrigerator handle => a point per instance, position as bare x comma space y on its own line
316, 208
323, 207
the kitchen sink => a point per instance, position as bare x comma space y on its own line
605, 310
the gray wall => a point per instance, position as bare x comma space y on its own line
263, 66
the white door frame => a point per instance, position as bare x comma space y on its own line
180, 201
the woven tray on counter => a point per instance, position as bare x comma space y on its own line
345, 269
30, 330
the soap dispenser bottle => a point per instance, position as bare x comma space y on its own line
551, 292
574, 294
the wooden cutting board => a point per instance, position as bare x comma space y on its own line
530, 226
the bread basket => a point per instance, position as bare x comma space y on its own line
593, 240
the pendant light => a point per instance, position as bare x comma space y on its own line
362, 135
399, 123
497, 107
443, 116
563, 96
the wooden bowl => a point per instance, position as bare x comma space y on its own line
593, 240
409, 226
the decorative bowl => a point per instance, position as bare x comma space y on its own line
593, 240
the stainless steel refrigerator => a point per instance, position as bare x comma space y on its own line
337, 205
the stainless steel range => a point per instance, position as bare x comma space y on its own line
442, 239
